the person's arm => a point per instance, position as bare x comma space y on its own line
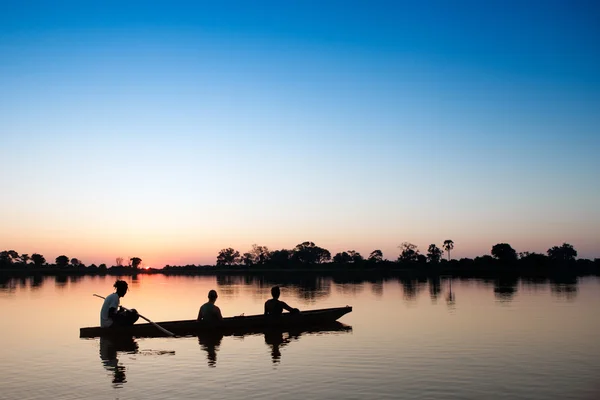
218, 312
200, 316
286, 307
266, 308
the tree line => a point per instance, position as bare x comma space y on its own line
307, 255
10, 259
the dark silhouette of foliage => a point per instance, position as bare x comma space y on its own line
309, 253
434, 254
409, 252
564, 253
342, 258
248, 259
280, 257
24, 258
448, 246
38, 259
376, 256
135, 262
62, 261
228, 256
504, 252
75, 262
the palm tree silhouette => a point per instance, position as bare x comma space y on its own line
448, 245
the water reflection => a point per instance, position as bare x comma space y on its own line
505, 288
109, 348
210, 343
306, 287
276, 339
564, 287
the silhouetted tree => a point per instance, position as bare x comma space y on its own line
8, 257
248, 259
448, 246
228, 256
38, 259
102, 267
434, 254
309, 253
564, 253
62, 261
75, 262
376, 256
135, 262
24, 258
355, 256
504, 252
533, 259
280, 257
408, 252
260, 254
342, 258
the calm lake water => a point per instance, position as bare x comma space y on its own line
468, 339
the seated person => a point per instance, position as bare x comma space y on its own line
275, 306
209, 311
112, 314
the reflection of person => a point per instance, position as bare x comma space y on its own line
275, 339
209, 311
275, 306
210, 343
112, 314
108, 354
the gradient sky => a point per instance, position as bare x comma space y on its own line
170, 130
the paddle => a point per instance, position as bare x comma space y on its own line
141, 316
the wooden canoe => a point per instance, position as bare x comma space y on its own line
229, 326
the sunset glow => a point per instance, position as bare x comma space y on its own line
169, 133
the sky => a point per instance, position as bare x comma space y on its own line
170, 130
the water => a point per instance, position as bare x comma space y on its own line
414, 340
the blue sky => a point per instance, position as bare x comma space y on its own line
170, 130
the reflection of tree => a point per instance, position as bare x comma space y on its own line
61, 281
435, 288
377, 287
450, 297
109, 347
564, 287
37, 281
505, 288
411, 288
210, 343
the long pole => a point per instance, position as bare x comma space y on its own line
141, 316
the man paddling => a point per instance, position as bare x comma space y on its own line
209, 311
275, 306
112, 314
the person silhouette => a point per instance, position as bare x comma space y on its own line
209, 311
274, 306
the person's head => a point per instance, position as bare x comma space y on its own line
212, 295
275, 292
121, 287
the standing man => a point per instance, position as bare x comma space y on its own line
112, 314
209, 311
275, 306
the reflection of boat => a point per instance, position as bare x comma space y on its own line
229, 326
274, 337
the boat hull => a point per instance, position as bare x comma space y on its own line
228, 326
